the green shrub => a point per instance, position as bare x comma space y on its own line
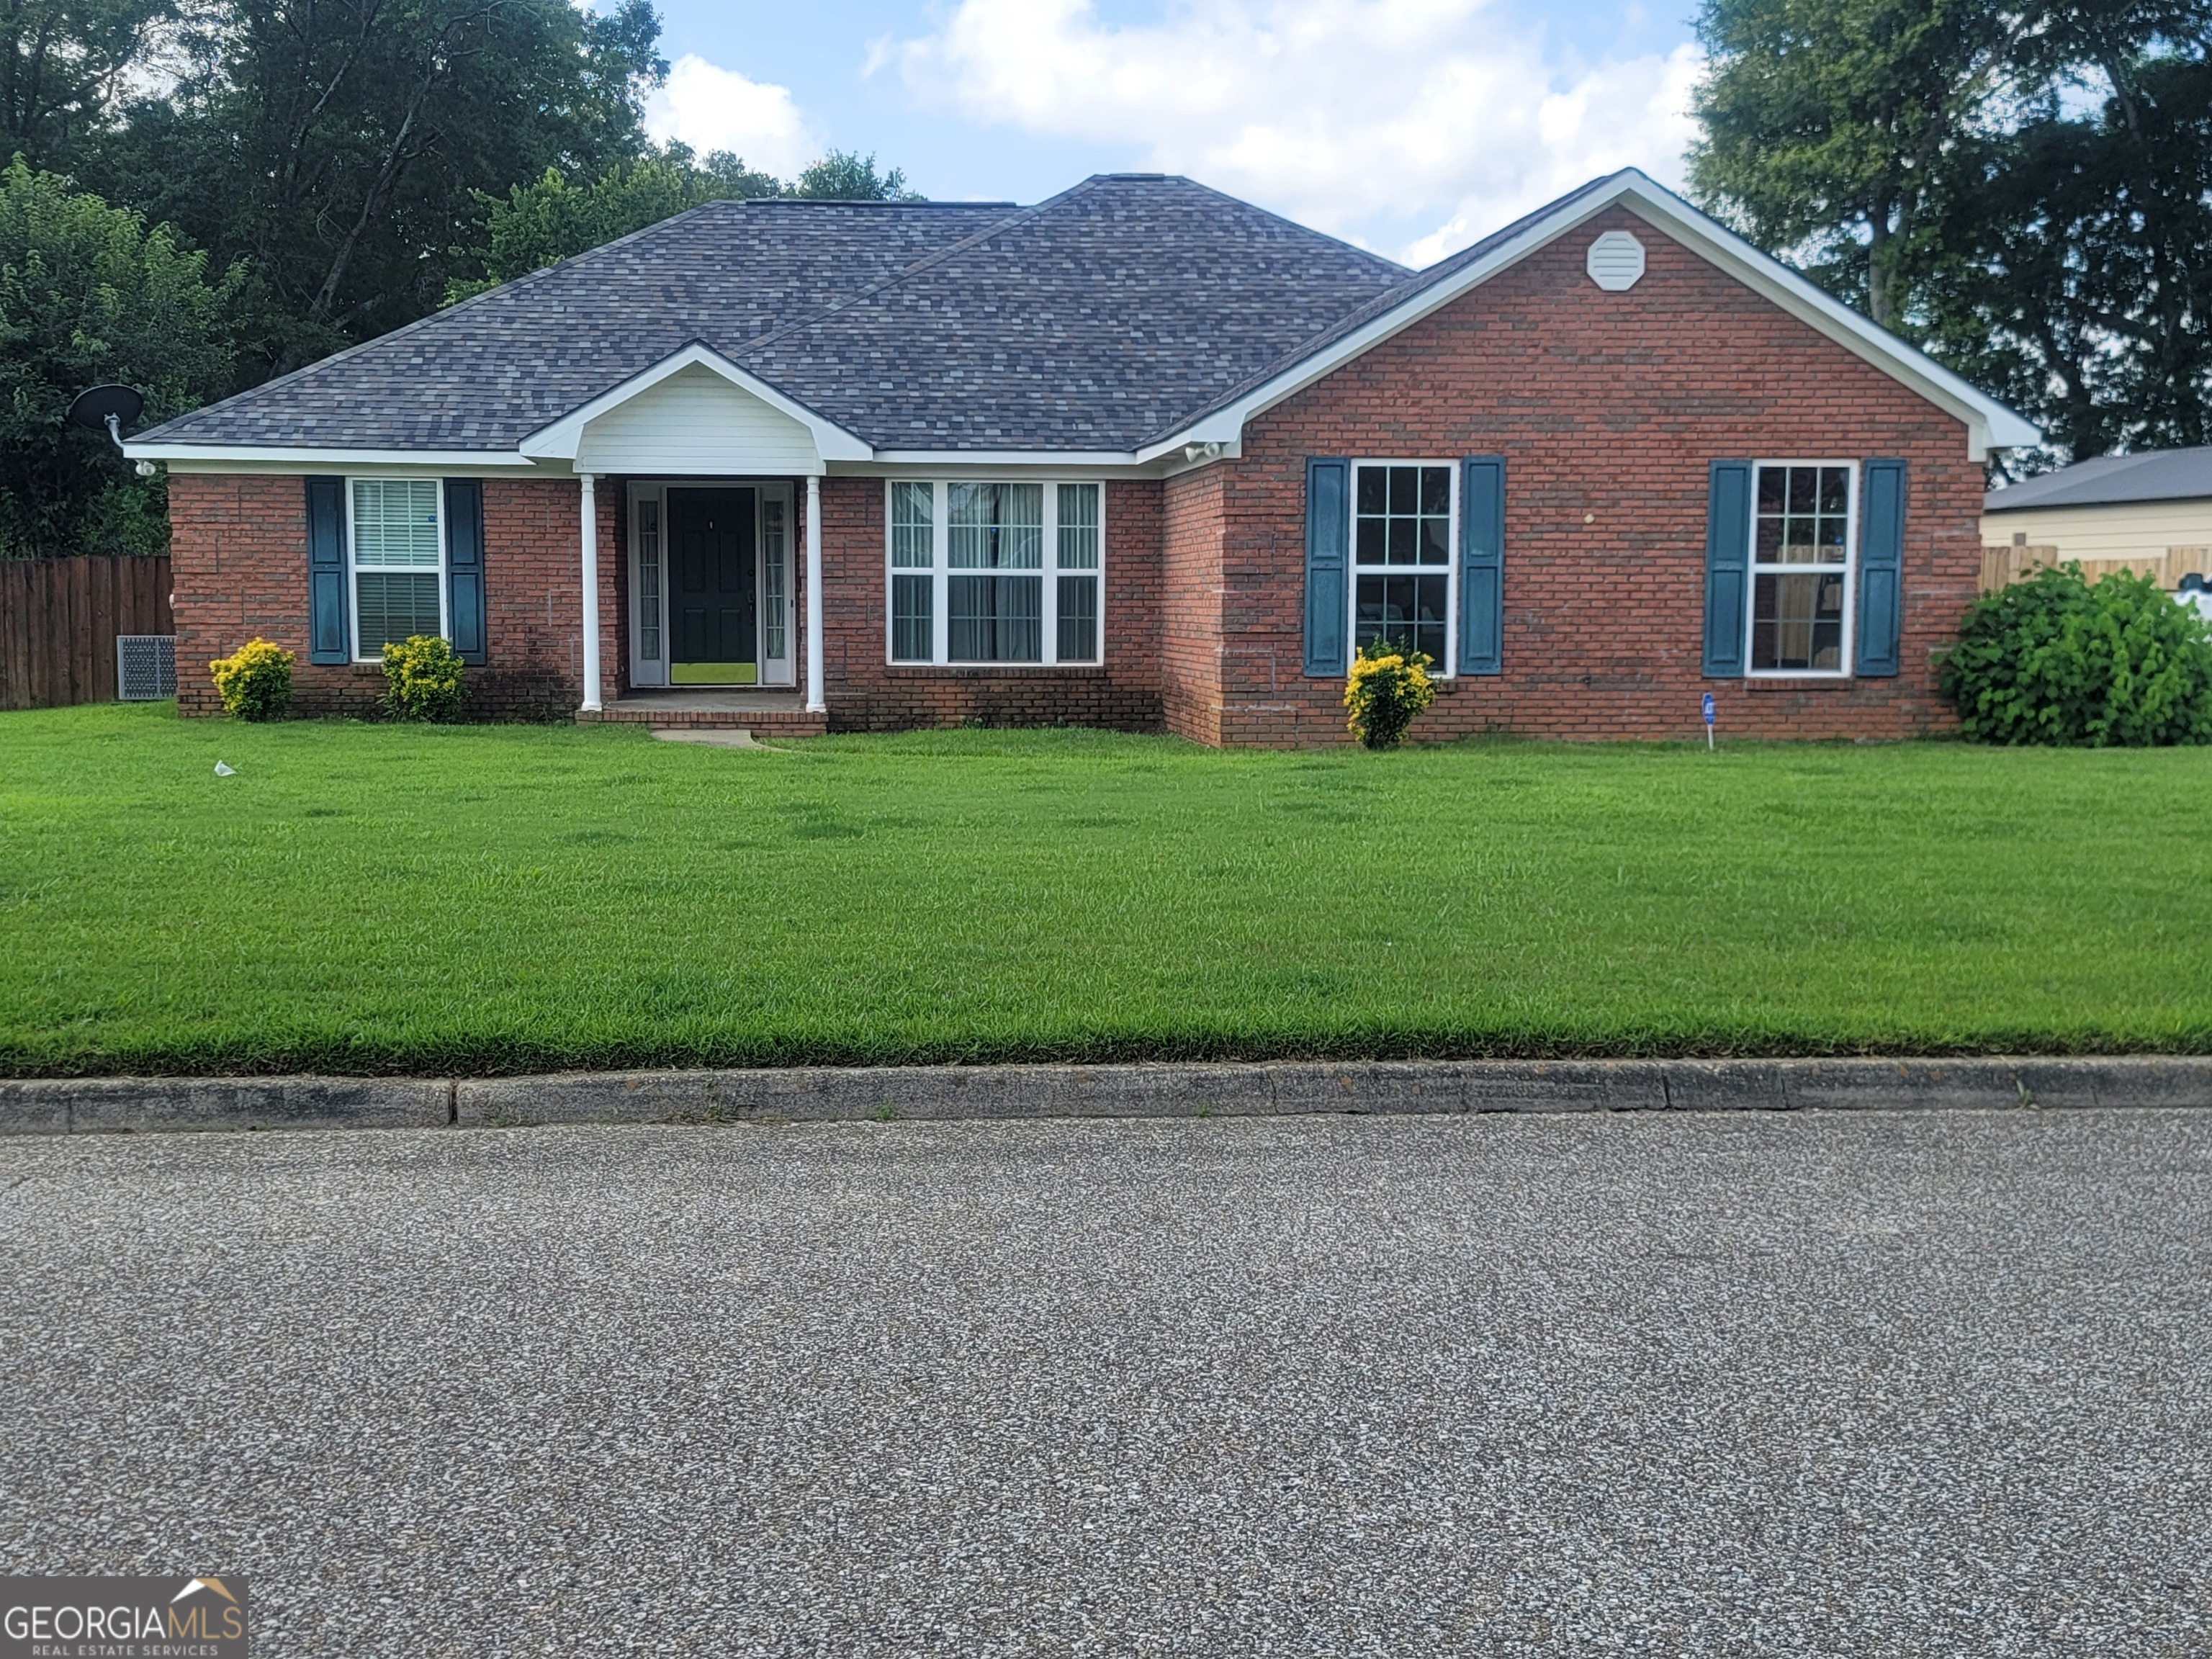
1387, 687
421, 680
255, 681
2058, 660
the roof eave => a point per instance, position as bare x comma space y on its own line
177, 452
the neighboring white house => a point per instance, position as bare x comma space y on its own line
2149, 513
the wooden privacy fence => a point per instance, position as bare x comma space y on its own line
2003, 566
59, 620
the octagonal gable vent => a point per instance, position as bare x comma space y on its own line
1616, 261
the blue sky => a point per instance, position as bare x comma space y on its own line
1411, 126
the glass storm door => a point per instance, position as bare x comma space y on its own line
713, 612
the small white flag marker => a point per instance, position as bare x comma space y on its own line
222, 771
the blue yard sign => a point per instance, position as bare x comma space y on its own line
1709, 720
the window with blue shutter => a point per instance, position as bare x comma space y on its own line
330, 636
1482, 565
464, 571
1881, 568
1727, 566
1329, 525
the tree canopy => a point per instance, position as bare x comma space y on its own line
88, 295
2026, 192
346, 166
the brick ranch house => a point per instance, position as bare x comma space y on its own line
1142, 456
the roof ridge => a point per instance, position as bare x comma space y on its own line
926, 262
1265, 213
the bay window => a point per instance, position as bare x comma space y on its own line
986, 571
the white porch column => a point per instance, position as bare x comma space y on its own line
591, 541
815, 703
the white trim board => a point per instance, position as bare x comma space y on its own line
232, 458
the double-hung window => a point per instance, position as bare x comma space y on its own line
1801, 546
1403, 572
989, 572
398, 562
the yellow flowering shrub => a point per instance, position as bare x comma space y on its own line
421, 679
255, 681
1387, 687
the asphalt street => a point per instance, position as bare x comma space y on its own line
1865, 1384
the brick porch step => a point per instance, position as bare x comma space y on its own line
765, 714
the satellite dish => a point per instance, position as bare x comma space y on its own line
107, 409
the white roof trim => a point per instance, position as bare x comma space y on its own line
465, 461
559, 440
1990, 424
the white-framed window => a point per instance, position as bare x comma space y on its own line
396, 532
1405, 580
1804, 542
987, 571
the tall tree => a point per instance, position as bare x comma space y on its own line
64, 64
2020, 186
844, 175
338, 145
1824, 123
551, 218
88, 295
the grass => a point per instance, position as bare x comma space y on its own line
365, 898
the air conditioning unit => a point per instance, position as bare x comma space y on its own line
145, 666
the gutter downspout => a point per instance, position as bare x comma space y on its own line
590, 546
815, 703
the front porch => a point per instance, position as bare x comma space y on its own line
765, 712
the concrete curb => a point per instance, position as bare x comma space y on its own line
833, 1094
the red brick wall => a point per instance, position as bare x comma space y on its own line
239, 553
868, 694
1192, 662
1608, 407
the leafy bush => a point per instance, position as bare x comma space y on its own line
421, 680
255, 681
1387, 687
2059, 661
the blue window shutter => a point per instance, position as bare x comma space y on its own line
1482, 565
1727, 566
1881, 568
329, 638
1328, 528
464, 572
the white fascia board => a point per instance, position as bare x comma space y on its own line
559, 440
1003, 459
210, 457
1990, 424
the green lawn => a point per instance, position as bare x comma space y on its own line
368, 898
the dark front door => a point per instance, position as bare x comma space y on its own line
711, 609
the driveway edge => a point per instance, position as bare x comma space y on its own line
833, 1094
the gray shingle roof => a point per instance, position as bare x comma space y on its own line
1105, 317
2162, 475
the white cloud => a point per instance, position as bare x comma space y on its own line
711, 108
1377, 118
